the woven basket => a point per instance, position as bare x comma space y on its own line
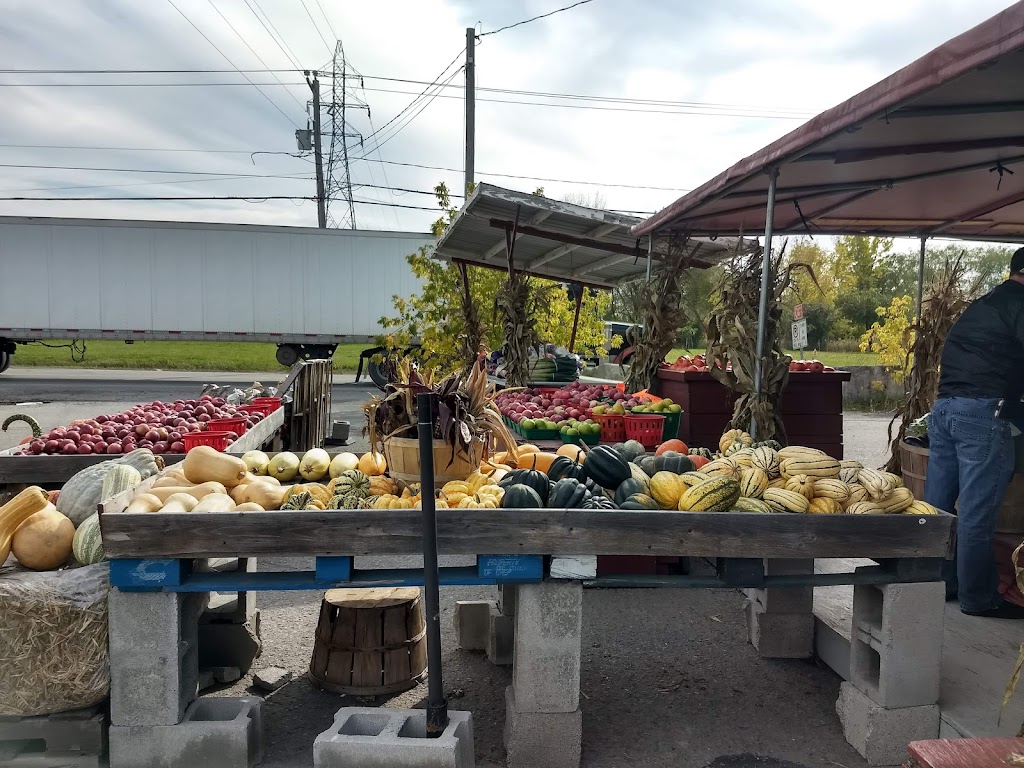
403, 457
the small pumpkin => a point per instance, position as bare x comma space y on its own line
351, 482
574, 452
44, 541
599, 502
567, 493
371, 464
675, 445
563, 466
531, 478
607, 467
629, 487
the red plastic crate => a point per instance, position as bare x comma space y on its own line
262, 409
217, 440
274, 401
236, 425
613, 427
645, 428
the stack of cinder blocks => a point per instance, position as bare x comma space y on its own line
780, 620
156, 721
229, 628
892, 696
488, 625
543, 719
65, 740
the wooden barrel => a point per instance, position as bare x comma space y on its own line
914, 463
370, 642
403, 457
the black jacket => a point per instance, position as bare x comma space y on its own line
984, 352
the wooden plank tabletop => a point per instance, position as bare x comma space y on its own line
521, 531
965, 753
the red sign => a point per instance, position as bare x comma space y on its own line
798, 311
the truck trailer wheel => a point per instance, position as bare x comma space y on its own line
5, 360
287, 354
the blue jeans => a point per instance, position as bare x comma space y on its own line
971, 460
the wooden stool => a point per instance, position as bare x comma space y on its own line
370, 642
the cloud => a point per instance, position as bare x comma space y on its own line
794, 54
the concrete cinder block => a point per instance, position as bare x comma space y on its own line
230, 607
785, 599
472, 623
217, 732
896, 646
501, 638
154, 660
364, 737
780, 635
39, 760
507, 594
230, 645
79, 732
881, 735
551, 739
573, 567
546, 667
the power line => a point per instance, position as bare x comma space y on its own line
253, 51
527, 20
247, 198
138, 170
365, 157
281, 43
145, 183
327, 45
330, 27
229, 61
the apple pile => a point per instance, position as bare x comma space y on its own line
811, 366
158, 426
575, 402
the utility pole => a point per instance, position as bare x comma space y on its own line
321, 209
470, 105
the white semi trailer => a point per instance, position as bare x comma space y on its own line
305, 290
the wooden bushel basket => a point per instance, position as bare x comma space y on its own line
370, 642
914, 463
403, 457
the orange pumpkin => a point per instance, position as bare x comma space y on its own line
539, 460
699, 461
673, 445
574, 452
372, 464
527, 448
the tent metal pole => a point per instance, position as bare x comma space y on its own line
766, 264
920, 278
650, 249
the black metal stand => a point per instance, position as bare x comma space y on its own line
437, 706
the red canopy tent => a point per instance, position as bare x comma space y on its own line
935, 149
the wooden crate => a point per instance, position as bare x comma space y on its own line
811, 408
309, 413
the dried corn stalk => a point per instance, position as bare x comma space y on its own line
512, 303
1011, 685
663, 314
732, 339
944, 300
473, 341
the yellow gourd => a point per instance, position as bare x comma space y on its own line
17, 511
145, 502
44, 541
203, 464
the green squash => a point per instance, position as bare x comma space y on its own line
606, 467
633, 449
87, 545
567, 493
630, 487
563, 466
599, 502
639, 501
519, 496
671, 461
533, 478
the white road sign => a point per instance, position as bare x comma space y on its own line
800, 334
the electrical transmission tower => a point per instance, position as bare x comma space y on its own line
341, 211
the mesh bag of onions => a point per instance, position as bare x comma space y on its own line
53, 639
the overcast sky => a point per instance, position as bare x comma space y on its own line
788, 57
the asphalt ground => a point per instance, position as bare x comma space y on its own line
668, 678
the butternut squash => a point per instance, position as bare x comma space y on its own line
195, 491
266, 495
44, 541
145, 502
169, 480
215, 502
179, 502
204, 464
17, 511
249, 506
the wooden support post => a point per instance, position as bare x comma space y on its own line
576, 318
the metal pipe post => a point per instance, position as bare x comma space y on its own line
470, 168
437, 706
766, 265
920, 278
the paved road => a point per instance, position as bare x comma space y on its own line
92, 385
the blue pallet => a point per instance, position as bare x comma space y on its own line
331, 571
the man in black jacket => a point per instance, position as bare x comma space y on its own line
972, 455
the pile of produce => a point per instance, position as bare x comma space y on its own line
157, 426
698, 363
556, 409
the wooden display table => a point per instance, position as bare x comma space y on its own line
812, 408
